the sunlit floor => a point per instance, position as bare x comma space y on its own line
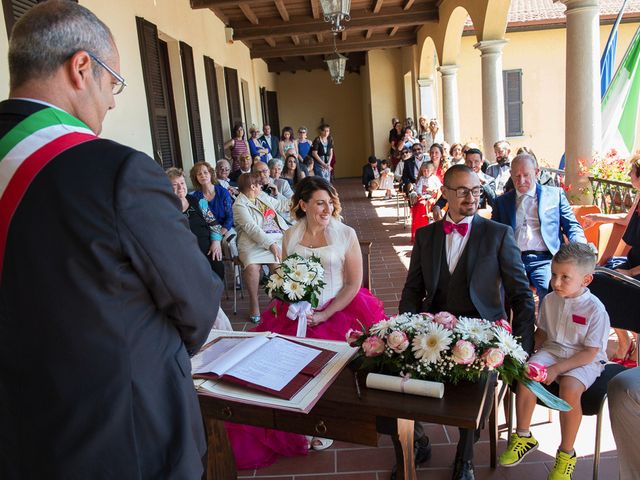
376, 220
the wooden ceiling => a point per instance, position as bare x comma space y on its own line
291, 35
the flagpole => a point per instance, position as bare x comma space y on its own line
620, 65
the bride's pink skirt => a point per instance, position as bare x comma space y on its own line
256, 447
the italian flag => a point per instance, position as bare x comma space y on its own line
25, 150
620, 103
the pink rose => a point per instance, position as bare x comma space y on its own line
445, 319
353, 336
427, 315
398, 341
493, 357
536, 372
504, 324
373, 346
464, 352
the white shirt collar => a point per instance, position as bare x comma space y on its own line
464, 220
531, 192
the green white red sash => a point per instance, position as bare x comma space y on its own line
25, 150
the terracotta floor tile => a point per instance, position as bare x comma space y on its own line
316, 462
381, 458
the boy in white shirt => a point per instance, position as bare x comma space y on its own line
573, 327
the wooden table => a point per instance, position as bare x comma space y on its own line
341, 415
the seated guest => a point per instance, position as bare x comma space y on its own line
202, 222
473, 160
405, 155
222, 177
629, 265
291, 173
219, 200
371, 176
436, 155
624, 397
245, 167
308, 163
455, 154
538, 236
412, 167
266, 182
260, 226
275, 169
434, 135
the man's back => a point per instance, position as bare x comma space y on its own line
102, 289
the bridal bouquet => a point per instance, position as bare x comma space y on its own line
298, 281
445, 348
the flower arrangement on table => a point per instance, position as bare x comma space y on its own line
445, 348
297, 281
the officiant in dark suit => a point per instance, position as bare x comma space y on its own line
461, 265
104, 292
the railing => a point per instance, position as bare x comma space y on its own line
610, 195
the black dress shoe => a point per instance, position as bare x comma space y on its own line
421, 454
463, 470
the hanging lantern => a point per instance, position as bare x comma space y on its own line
337, 64
335, 12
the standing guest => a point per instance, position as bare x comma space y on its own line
309, 164
538, 236
237, 146
436, 154
386, 178
303, 144
473, 160
202, 222
434, 135
287, 143
408, 123
272, 141
257, 147
456, 157
260, 228
407, 140
396, 131
222, 177
423, 141
501, 170
624, 398
463, 265
371, 176
322, 151
423, 126
111, 314
572, 333
246, 162
275, 168
291, 173
220, 203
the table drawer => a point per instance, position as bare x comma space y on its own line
348, 430
237, 413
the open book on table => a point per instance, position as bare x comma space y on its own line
256, 377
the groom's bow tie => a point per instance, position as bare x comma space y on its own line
461, 228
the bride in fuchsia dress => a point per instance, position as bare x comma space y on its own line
343, 305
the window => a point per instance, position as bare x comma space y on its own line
193, 109
214, 106
512, 80
14, 9
233, 96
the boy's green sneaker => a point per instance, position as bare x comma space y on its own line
516, 450
564, 466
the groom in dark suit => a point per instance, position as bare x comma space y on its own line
461, 265
104, 293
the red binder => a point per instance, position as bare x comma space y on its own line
298, 382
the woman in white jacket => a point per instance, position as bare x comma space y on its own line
260, 226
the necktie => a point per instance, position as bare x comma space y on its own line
449, 227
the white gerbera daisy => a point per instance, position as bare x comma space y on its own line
294, 290
509, 345
276, 280
300, 273
428, 346
474, 329
380, 328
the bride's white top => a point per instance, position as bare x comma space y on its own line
340, 238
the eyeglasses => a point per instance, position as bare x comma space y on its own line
223, 169
264, 171
463, 192
417, 150
302, 131
118, 87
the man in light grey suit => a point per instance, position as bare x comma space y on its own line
461, 265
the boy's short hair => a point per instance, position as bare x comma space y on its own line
579, 253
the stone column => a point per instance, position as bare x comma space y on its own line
450, 111
427, 98
493, 123
582, 112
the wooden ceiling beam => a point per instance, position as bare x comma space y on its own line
360, 20
354, 45
198, 4
354, 62
270, 41
315, 9
393, 31
377, 6
282, 10
408, 4
367, 35
246, 9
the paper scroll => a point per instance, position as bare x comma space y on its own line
405, 385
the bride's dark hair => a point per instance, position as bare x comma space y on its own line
305, 190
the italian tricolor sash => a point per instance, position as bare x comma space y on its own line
25, 150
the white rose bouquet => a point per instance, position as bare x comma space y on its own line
445, 348
298, 281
